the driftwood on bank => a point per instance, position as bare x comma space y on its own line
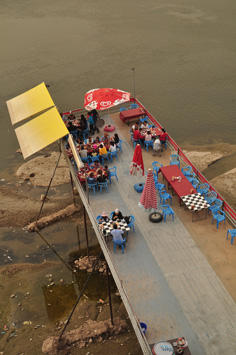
89, 332
45, 221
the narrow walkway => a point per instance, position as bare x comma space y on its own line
170, 284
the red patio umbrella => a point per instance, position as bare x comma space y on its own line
102, 99
148, 200
137, 167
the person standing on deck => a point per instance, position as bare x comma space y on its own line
91, 123
95, 118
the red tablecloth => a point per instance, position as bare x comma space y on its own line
130, 114
182, 188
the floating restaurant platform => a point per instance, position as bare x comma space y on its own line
163, 277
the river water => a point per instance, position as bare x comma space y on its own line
183, 53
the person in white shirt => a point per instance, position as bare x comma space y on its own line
112, 147
148, 136
145, 126
83, 152
117, 234
157, 146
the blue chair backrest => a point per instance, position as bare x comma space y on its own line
111, 214
186, 169
133, 106
98, 218
174, 158
217, 211
216, 204
132, 219
155, 164
123, 109
112, 170
102, 183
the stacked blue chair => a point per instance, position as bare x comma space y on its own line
232, 232
131, 223
210, 197
113, 154
216, 205
164, 196
218, 215
103, 157
101, 185
203, 188
112, 173
148, 144
132, 106
191, 177
167, 210
175, 160
122, 244
156, 167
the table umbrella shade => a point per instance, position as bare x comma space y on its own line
148, 200
137, 166
102, 99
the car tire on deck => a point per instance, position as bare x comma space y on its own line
155, 217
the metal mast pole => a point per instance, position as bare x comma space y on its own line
134, 81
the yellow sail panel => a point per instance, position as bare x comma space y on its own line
40, 132
29, 104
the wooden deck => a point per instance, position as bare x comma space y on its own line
170, 283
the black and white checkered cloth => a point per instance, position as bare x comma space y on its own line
196, 200
108, 226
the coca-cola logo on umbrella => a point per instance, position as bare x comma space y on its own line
102, 99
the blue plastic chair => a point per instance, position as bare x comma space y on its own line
142, 120
195, 183
122, 244
210, 197
191, 177
86, 160
159, 186
98, 218
133, 106
113, 154
103, 157
164, 196
119, 145
93, 159
203, 188
112, 173
143, 327
217, 204
101, 185
232, 232
93, 187
175, 160
187, 170
111, 214
156, 167
137, 142
74, 133
131, 223
131, 135
167, 210
148, 144
123, 109
218, 215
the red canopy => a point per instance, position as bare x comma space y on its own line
148, 200
137, 167
101, 99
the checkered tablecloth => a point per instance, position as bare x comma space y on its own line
196, 200
108, 226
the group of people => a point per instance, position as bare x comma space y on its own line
143, 133
99, 175
117, 233
81, 125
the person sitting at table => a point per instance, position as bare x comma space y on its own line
148, 136
104, 217
101, 177
163, 136
117, 233
117, 215
91, 179
138, 136
95, 166
79, 142
71, 116
106, 138
112, 147
102, 150
83, 152
116, 138
135, 126
89, 140
107, 171
97, 140
145, 126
